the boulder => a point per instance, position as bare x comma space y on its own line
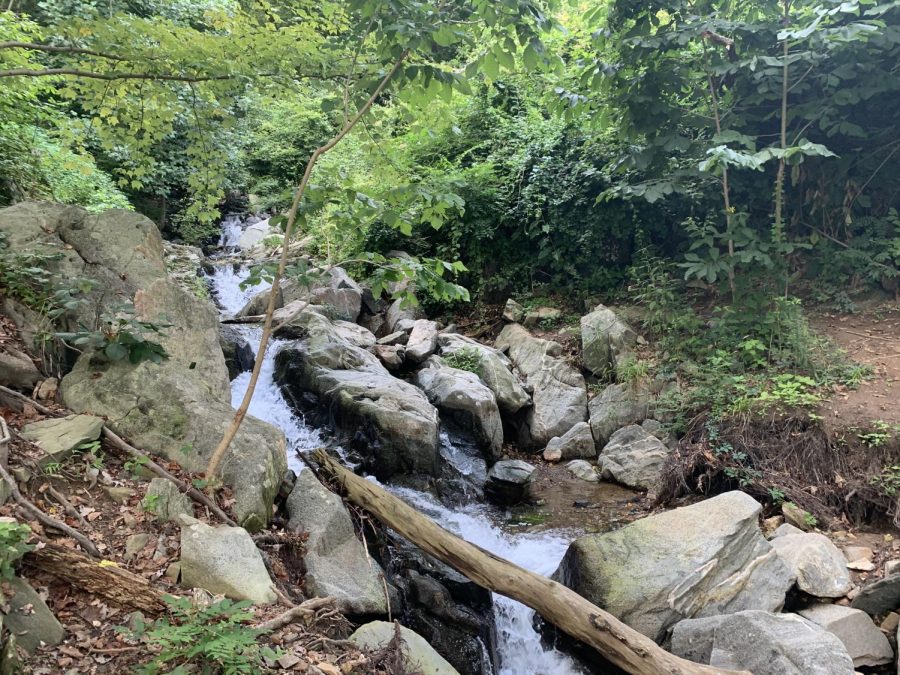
180, 407
392, 357
239, 355
390, 421
761, 643
26, 615
397, 338
865, 643
59, 437
615, 407
400, 311
606, 341
509, 481
17, 370
354, 334
422, 341
695, 561
494, 369
583, 470
165, 501
819, 566
418, 655
338, 294
879, 596
633, 458
336, 561
541, 316
464, 398
560, 395
783, 529
254, 234
223, 560
513, 312
576, 443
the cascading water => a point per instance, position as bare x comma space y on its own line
231, 231
519, 645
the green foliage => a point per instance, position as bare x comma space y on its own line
121, 335
213, 639
888, 481
880, 434
465, 358
13, 545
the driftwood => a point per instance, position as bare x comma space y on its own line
561, 606
108, 581
304, 610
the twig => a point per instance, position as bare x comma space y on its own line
86, 543
863, 335
307, 608
189, 490
67, 505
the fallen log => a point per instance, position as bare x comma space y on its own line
102, 578
561, 606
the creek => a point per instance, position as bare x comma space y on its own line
519, 647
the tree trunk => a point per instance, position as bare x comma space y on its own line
561, 606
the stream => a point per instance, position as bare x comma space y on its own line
519, 646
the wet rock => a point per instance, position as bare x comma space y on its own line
865, 643
695, 561
819, 566
606, 341
28, 617
576, 443
464, 398
633, 458
494, 369
59, 437
418, 655
239, 355
513, 312
166, 502
223, 560
583, 470
879, 596
761, 643
617, 406
509, 481
541, 316
17, 370
336, 561
560, 395
390, 421
422, 341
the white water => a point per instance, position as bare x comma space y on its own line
231, 231
519, 646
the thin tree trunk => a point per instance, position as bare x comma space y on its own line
726, 191
242, 409
561, 606
778, 227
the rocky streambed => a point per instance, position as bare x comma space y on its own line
452, 426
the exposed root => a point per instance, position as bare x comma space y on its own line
391, 657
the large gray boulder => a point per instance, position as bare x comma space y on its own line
422, 341
178, 409
389, 420
418, 655
820, 567
333, 290
864, 641
181, 407
615, 407
560, 394
879, 596
509, 481
606, 342
762, 643
633, 458
336, 562
493, 368
464, 398
695, 561
224, 560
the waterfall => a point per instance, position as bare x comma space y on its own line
519, 646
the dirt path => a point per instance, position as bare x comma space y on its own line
872, 338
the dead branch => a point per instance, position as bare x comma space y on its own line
561, 606
67, 505
85, 543
306, 609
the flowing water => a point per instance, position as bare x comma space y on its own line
519, 645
